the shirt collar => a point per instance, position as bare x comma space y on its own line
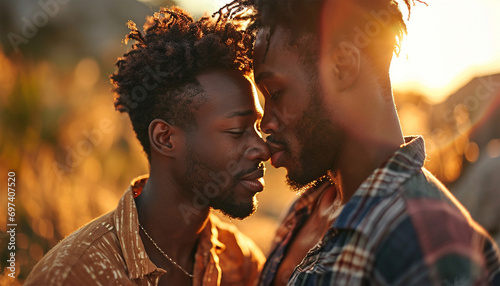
134, 253
127, 229
207, 270
213, 234
209, 237
299, 212
382, 182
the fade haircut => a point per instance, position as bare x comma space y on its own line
302, 21
156, 78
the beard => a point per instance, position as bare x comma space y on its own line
320, 142
200, 178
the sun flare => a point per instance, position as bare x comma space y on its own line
448, 43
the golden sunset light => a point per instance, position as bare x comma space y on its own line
70, 154
448, 43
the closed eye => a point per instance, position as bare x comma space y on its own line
275, 95
271, 89
236, 132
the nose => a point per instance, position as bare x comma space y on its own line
269, 123
258, 150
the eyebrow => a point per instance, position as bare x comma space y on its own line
264, 75
240, 113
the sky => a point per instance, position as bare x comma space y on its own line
449, 42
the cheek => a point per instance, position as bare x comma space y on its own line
289, 117
289, 109
219, 151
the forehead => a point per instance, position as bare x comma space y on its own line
276, 54
268, 44
226, 92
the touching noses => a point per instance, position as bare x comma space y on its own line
258, 150
269, 123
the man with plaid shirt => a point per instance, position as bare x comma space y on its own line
370, 214
401, 227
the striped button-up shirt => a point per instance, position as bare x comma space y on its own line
109, 251
401, 227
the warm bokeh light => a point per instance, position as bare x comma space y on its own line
87, 73
74, 155
472, 152
448, 43
493, 148
196, 7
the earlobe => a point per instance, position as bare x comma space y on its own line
161, 137
345, 59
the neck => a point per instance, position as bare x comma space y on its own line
357, 164
170, 218
368, 146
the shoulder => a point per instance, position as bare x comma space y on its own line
435, 216
419, 202
431, 207
77, 253
434, 237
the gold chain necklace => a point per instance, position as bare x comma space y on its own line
164, 254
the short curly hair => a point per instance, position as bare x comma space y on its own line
156, 78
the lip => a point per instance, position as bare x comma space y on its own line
277, 159
277, 152
254, 186
254, 181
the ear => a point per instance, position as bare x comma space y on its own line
344, 60
162, 137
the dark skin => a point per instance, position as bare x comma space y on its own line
226, 131
354, 103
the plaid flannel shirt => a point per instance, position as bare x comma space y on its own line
401, 227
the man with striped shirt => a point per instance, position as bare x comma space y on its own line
185, 87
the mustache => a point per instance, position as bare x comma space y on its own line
257, 167
273, 140
282, 144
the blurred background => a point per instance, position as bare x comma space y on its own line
74, 156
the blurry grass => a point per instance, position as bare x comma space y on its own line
45, 116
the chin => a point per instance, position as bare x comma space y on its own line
240, 211
296, 177
304, 181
